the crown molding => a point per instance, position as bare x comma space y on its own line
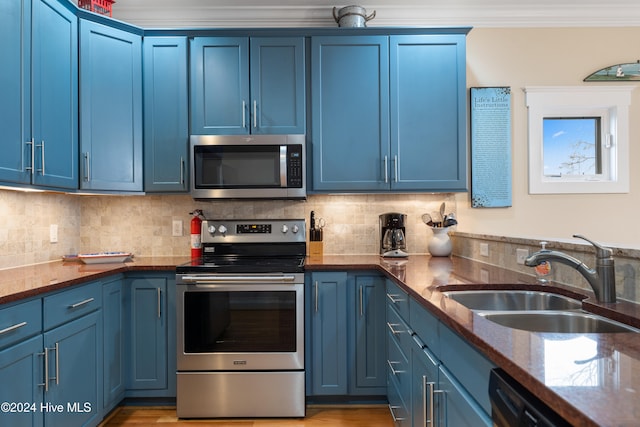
159, 15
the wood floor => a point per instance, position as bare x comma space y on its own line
317, 416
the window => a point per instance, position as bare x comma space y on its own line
578, 139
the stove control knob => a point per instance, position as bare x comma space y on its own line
222, 229
211, 229
295, 229
285, 228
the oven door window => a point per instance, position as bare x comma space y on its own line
242, 166
231, 322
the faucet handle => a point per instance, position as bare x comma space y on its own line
601, 251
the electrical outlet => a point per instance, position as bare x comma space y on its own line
484, 249
53, 233
484, 275
177, 228
521, 255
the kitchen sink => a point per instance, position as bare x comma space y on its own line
519, 300
573, 322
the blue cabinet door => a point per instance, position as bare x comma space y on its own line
428, 112
110, 108
166, 114
277, 83
458, 408
147, 336
15, 87
75, 372
219, 85
369, 353
113, 344
350, 113
55, 105
424, 383
21, 376
328, 297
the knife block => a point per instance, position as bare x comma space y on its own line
316, 249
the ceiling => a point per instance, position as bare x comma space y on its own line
318, 13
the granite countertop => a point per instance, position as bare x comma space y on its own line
591, 380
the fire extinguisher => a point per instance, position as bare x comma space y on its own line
196, 240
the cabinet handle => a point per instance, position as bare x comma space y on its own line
56, 348
41, 145
31, 167
244, 114
255, 113
434, 415
394, 298
386, 172
393, 371
159, 303
393, 331
46, 369
427, 400
316, 292
182, 168
395, 168
13, 327
393, 415
361, 302
81, 303
87, 171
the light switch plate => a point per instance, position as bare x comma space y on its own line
177, 228
53, 233
521, 255
484, 249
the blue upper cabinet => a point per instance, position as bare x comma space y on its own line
350, 112
39, 120
428, 112
110, 108
166, 114
242, 86
389, 113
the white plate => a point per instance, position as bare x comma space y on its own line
104, 257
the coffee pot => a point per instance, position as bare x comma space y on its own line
392, 235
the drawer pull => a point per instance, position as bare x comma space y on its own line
13, 327
393, 371
393, 415
395, 298
393, 331
81, 303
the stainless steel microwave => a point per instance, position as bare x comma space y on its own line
248, 166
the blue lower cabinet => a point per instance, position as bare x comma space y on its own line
74, 381
424, 384
113, 343
21, 376
460, 408
328, 331
150, 311
368, 348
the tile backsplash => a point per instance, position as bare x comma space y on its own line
143, 224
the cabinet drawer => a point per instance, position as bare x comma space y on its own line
467, 365
425, 325
399, 299
399, 369
398, 330
71, 304
397, 406
20, 321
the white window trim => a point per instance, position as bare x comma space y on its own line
611, 103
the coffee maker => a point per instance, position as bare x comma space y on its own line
392, 235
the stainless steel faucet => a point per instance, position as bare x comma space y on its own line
602, 279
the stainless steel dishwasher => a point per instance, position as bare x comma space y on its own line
512, 405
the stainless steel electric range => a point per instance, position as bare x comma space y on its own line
240, 322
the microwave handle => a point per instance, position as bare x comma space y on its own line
283, 166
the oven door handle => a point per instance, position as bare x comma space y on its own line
227, 279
